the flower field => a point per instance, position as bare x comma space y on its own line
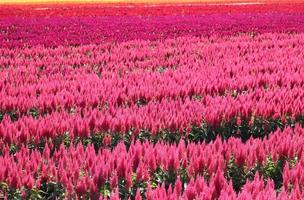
152, 101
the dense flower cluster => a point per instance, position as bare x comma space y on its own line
180, 102
55, 31
121, 9
183, 167
149, 85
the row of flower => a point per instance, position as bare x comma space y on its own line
231, 84
68, 10
176, 116
54, 31
161, 105
45, 79
186, 170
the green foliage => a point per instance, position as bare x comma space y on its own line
105, 189
202, 133
11, 193
47, 191
169, 177
183, 174
52, 191
138, 185
13, 115
236, 174
273, 171
35, 194
269, 170
157, 177
1, 116
122, 189
34, 112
